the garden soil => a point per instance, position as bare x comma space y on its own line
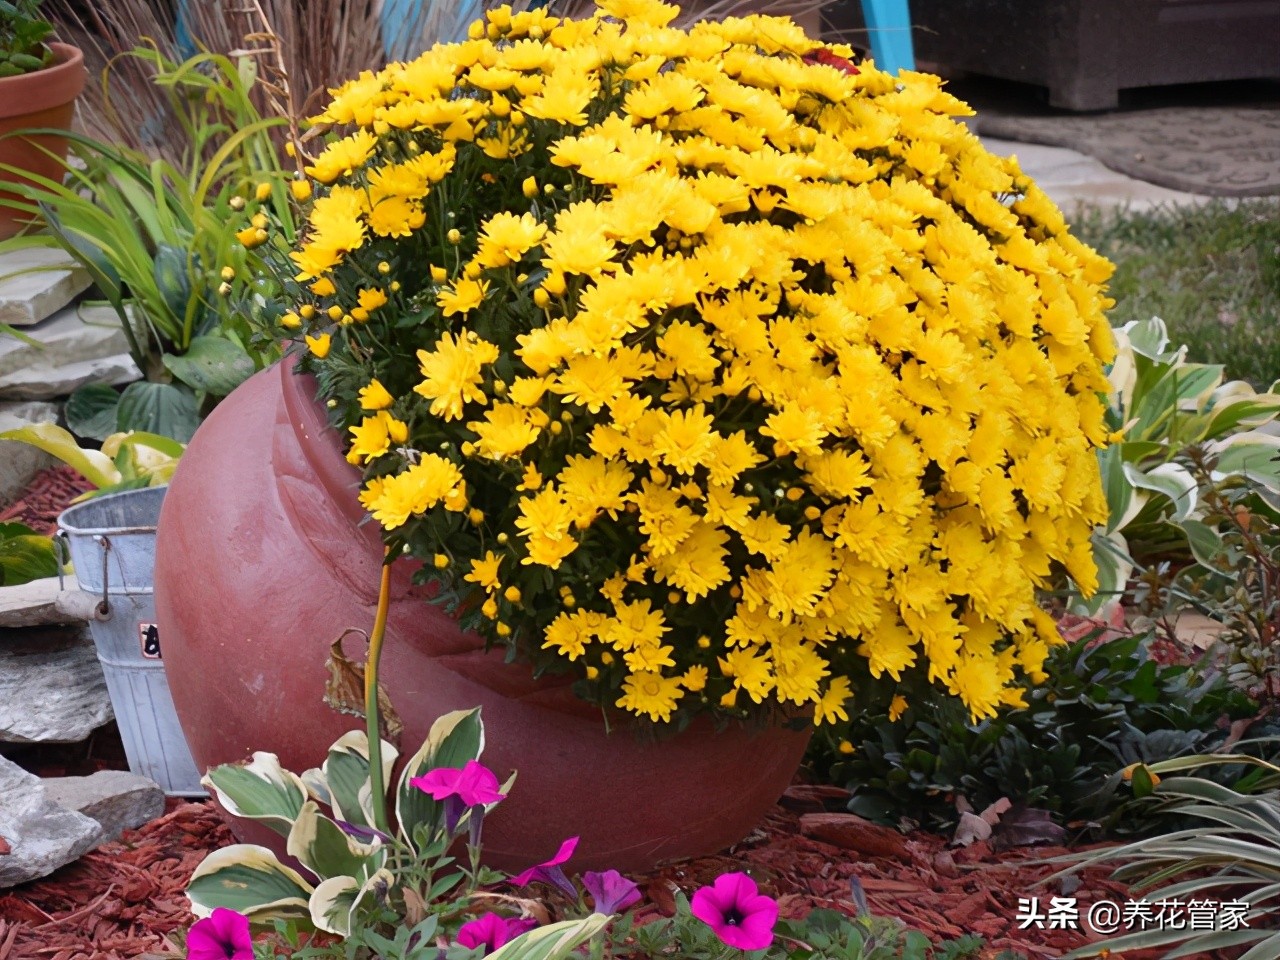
125, 900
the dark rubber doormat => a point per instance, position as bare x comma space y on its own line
1229, 148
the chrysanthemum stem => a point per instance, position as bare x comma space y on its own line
372, 724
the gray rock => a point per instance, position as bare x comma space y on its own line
37, 604
19, 462
27, 298
41, 835
77, 345
118, 800
51, 686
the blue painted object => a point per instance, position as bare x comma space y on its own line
889, 30
403, 22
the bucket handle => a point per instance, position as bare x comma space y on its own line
103, 610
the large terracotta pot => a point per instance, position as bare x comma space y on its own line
264, 557
43, 99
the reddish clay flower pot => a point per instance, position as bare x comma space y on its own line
264, 557
43, 99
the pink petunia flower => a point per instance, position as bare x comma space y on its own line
222, 936
551, 871
492, 931
611, 891
473, 784
737, 911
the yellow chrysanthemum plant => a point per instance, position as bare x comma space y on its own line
705, 366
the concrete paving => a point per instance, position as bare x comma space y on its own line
1073, 179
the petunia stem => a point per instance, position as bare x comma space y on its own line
372, 719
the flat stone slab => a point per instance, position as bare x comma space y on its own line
41, 835
29, 297
37, 604
77, 345
52, 689
117, 799
19, 462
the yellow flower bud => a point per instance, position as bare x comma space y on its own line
556, 428
359, 314
812, 513
439, 274
512, 594
301, 190
228, 273
472, 271
335, 312
441, 560
383, 267
395, 286
224, 288
569, 600
259, 220
454, 235
541, 298
249, 237
704, 642
320, 345
476, 30
237, 203
468, 448
503, 630
324, 287
795, 493
475, 515
262, 192
554, 284
502, 539
529, 187
259, 237
307, 311
845, 747
593, 672
517, 118
291, 148
290, 321
490, 609
606, 657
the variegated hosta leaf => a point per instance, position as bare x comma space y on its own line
334, 903
454, 739
555, 941
322, 847
259, 790
250, 880
346, 773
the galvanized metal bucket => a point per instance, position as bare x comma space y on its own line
112, 540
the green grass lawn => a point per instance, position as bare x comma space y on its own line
1212, 272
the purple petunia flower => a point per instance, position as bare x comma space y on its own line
737, 911
550, 871
492, 931
611, 891
222, 936
461, 789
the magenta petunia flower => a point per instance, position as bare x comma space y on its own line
492, 931
611, 891
473, 784
222, 936
737, 911
551, 871
461, 789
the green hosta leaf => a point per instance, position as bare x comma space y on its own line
26, 557
164, 408
1115, 566
259, 790
346, 775
1206, 545
320, 845
454, 739
211, 365
93, 465
1148, 337
250, 880
334, 903
1171, 479
1253, 454
555, 941
173, 278
91, 411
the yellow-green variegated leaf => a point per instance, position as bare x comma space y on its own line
334, 903
317, 787
454, 739
250, 880
259, 790
93, 465
555, 941
322, 847
346, 773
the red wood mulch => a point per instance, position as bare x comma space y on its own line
121, 900
46, 496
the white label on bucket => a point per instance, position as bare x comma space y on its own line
149, 638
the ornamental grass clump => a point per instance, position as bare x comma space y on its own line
702, 364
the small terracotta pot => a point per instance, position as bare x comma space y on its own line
43, 99
264, 556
